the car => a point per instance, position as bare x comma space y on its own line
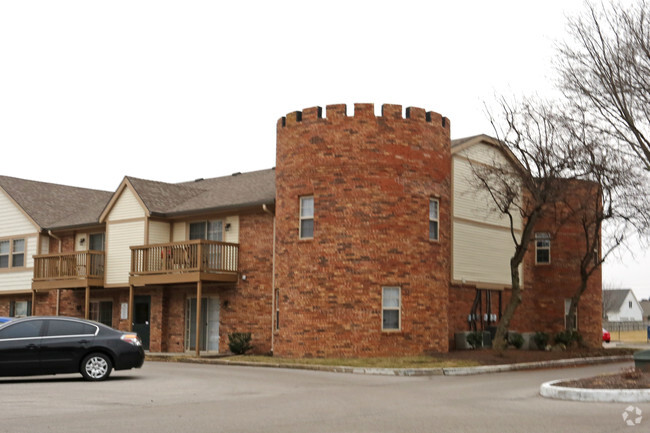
60, 345
4, 319
606, 337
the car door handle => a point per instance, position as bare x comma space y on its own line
31, 346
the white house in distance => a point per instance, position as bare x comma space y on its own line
620, 305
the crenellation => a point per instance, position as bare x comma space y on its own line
415, 113
366, 111
391, 111
313, 113
336, 111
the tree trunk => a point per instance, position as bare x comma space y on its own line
500, 342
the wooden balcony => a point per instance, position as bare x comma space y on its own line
68, 270
184, 262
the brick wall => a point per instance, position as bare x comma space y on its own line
371, 178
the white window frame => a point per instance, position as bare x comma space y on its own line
397, 308
302, 217
434, 219
11, 254
542, 243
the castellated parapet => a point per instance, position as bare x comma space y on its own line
372, 179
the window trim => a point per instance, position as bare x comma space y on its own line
301, 218
436, 219
542, 236
398, 309
11, 254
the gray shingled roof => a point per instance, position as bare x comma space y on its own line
613, 299
56, 206
238, 190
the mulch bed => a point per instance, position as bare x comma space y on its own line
627, 379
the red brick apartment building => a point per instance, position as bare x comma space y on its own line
367, 239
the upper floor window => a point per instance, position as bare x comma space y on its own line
307, 217
434, 219
12, 253
542, 248
97, 242
208, 230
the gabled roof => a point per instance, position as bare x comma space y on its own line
613, 299
53, 206
202, 195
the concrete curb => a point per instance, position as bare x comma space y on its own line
450, 371
550, 390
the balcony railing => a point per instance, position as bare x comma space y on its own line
72, 269
197, 256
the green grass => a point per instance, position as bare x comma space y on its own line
392, 362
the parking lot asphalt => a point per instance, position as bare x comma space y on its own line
175, 397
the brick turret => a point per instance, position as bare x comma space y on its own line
371, 178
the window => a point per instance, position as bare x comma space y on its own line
277, 309
629, 304
20, 308
29, 329
12, 253
208, 230
567, 307
102, 312
97, 242
391, 302
58, 328
433, 219
307, 217
542, 248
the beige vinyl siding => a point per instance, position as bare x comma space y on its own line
179, 231
483, 153
16, 281
13, 221
119, 237
31, 245
473, 203
158, 232
481, 254
126, 207
482, 242
232, 235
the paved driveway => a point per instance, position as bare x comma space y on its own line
175, 397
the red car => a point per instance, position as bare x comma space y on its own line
606, 337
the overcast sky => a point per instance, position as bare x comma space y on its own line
177, 90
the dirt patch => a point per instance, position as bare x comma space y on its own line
630, 378
514, 356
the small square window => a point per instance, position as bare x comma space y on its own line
306, 217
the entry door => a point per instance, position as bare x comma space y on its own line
209, 324
141, 318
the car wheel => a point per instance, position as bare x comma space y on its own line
96, 366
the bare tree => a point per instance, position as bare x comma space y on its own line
604, 69
610, 197
526, 185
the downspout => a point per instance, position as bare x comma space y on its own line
58, 291
273, 306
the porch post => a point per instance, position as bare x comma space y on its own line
33, 303
87, 304
198, 317
130, 327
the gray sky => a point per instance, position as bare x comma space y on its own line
176, 90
